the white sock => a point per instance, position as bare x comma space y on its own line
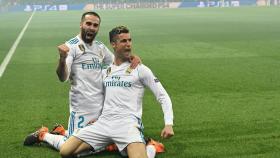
55, 141
151, 151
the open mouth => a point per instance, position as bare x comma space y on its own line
127, 50
90, 34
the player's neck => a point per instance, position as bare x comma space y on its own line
119, 61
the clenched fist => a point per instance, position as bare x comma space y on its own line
63, 50
167, 132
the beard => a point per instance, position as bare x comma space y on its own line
88, 36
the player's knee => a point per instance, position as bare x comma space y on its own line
137, 150
140, 155
64, 153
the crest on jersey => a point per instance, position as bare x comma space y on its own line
108, 71
82, 47
128, 70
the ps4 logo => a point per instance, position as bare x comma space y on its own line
221, 3
46, 7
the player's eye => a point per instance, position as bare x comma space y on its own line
126, 40
123, 40
95, 25
88, 23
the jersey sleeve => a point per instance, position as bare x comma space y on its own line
149, 80
69, 58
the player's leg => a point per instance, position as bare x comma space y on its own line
136, 150
95, 135
57, 141
54, 140
153, 147
35, 137
151, 151
76, 121
43, 135
129, 138
57, 137
131, 132
72, 147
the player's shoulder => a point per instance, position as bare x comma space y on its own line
143, 69
144, 72
99, 44
73, 41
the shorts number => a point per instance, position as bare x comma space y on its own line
81, 121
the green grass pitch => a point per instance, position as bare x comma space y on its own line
221, 67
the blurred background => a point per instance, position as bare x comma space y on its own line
44, 5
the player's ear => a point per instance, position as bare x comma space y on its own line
113, 44
81, 25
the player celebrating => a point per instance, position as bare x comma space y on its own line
120, 121
81, 61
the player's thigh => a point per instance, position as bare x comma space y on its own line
96, 135
83, 147
125, 133
136, 150
73, 145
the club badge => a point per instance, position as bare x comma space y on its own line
108, 71
82, 48
128, 70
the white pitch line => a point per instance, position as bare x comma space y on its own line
13, 48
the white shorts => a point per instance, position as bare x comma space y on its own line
79, 120
118, 131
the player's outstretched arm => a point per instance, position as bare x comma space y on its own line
61, 70
149, 80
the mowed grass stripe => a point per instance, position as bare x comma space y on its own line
12, 50
11, 25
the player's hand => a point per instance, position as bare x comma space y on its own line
135, 61
63, 50
92, 121
167, 132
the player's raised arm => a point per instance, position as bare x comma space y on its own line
149, 80
62, 70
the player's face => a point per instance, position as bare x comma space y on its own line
89, 28
122, 46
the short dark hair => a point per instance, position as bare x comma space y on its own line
116, 31
90, 13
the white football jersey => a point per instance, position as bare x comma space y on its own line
85, 63
124, 90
